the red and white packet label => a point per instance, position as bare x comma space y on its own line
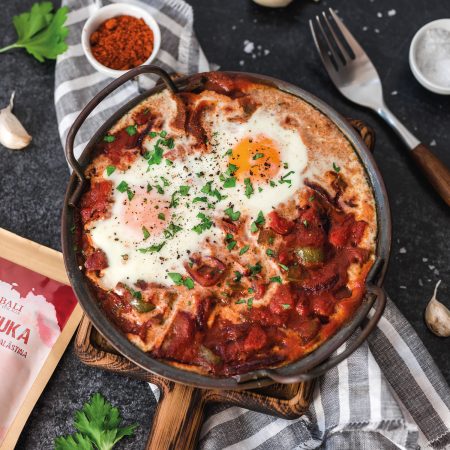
33, 312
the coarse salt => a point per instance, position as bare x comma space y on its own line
433, 56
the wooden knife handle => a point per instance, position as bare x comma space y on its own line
435, 170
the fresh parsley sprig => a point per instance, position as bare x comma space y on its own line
98, 425
40, 32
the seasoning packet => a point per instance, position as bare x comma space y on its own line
38, 316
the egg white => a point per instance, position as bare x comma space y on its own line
116, 238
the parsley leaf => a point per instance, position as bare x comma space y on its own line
336, 168
146, 233
286, 268
131, 130
110, 170
255, 269
231, 245
184, 190
260, 220
98, 425
153, 248
108, 138
233, 215
244, 249
229, 182
284, 178
122, 186
200, 199
161, 216
178, 279
171, 230
205, 224
258, 156
40, 32
248, 187
276, 280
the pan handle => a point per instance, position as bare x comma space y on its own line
93, 104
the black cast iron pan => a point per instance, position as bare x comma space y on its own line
311, 366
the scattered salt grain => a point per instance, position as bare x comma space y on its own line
402, 250
433, 56
436, 272
394, 92
241, 62
233, 27
380, 15
376, 30
431, 267
365, 28
402, 287
420, 282
266, 52
391, 12
248, 46
433, 143
425, 259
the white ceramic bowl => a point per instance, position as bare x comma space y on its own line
420, 76
113, 10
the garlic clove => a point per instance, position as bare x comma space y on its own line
437, 316
12, 133
273, 3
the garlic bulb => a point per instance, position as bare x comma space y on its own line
12, 133
437, 316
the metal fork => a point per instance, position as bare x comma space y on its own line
354, 75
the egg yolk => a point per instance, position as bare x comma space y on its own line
148, 210
257, 158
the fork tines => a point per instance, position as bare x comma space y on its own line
334, 42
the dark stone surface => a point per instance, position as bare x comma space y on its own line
32, 182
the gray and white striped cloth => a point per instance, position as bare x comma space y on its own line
389, 394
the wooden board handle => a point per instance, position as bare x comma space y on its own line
178, 418
437, 173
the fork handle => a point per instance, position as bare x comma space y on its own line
437, 173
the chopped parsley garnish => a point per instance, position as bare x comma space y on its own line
286, 165
228, 152
244, 249
163, 134
241, 301
155, 156
260, 220
135, 294
248, 187
233, 215
228, 236
231, 169
205, 224
109, 138
229, 182
200, 174
184, 190
270, 252
276, 280
336, 168
171, 230
178, 279
161, 216
153, 134
169, 162
165, 181
123, 187
255, 269
153, 248
305, 223
159, 189
208, 189
131, 130
260, 189
200, 199
149, 187
237, 276
284, 178
72, 229
250, 303
285, 305
146, 233
271, 240
272, 183
110, 170
311, 198
250, 290
258, 156
286, 268
231, 245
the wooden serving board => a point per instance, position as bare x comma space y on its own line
180, 412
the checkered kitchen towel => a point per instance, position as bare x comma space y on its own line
388, 394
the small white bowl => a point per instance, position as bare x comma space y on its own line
420, 76
114, 10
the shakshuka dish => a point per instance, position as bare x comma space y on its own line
227, 229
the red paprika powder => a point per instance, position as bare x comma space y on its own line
122, 42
